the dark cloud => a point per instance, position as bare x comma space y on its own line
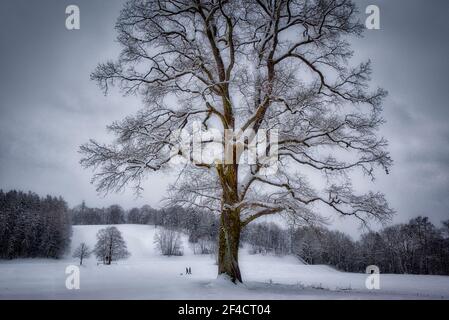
48, 105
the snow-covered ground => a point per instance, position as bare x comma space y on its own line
148, 275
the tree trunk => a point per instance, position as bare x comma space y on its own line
110, 251
228, 246
230, 225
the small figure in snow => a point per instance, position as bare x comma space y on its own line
190, 270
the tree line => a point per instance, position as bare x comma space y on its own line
416, 247
200, 226
83, 215
197, 224
31, 226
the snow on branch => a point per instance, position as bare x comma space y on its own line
246, 65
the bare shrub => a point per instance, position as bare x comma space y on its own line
169, 242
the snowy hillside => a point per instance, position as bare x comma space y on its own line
148, 275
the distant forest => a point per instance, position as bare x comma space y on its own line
31, 226
417, 247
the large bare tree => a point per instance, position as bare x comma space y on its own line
246, 65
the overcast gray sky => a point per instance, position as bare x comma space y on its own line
48, 105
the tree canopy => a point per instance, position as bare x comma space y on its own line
246, 66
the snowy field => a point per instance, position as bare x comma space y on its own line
148, 275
